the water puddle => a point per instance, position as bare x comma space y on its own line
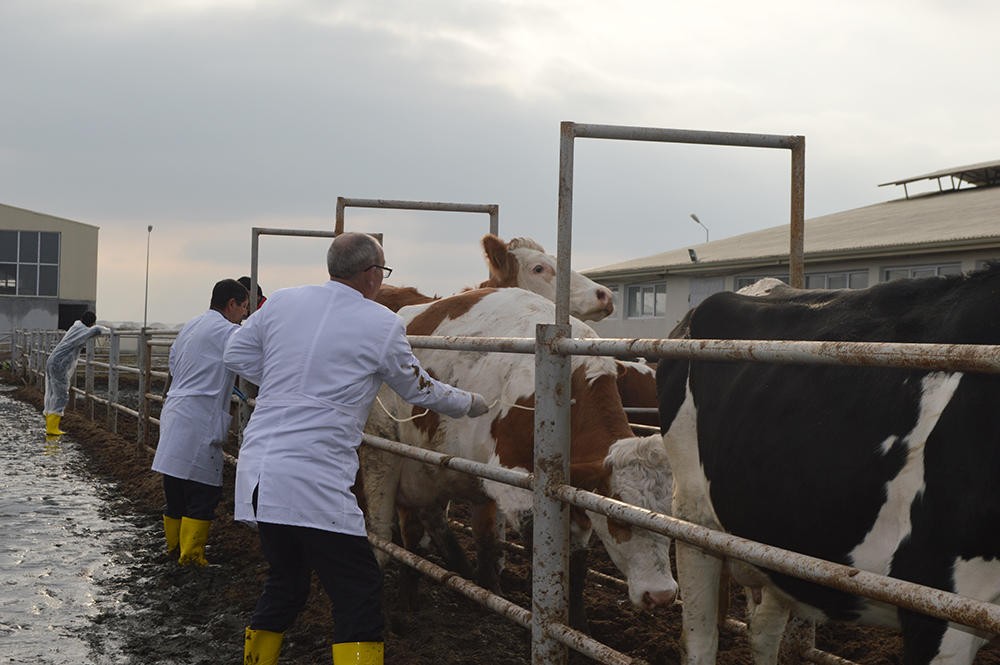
57, 547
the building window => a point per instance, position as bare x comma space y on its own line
29, 263
912, 272
646, 300
850, 279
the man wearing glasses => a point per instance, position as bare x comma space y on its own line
319, 354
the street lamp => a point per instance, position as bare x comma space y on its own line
698, 222
145, 303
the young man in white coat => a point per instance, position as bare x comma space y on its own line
319, 354
195, 422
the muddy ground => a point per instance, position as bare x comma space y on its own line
197, 616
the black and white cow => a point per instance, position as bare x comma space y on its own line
894, 471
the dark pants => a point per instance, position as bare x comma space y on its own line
346, 568
187, 498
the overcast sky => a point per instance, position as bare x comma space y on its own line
205, 118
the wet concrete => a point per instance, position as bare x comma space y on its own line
56, 540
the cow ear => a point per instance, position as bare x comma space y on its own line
496, 252
502, 263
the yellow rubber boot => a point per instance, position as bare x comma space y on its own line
172, 530
193, 536
52, 424
358, 653
261, 647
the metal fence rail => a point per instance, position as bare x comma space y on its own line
31, 348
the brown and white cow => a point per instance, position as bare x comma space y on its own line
605, 456
637, 388
522, 263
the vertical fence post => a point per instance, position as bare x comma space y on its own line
113, 359
143, 350
88, 380
73, 379
36, 346
15, 341
550, 542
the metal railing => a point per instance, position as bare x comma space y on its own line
552, 347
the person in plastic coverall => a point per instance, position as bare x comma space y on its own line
195, 422
319, 354
60, 366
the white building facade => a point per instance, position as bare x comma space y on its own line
950, 231
48, 270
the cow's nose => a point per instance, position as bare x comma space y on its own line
653, 599
605, 298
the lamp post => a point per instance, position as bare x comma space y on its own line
698, 222
145, 303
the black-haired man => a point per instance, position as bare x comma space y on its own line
195, 422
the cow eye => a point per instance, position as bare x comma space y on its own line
538, 268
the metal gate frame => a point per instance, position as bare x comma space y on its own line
552, 404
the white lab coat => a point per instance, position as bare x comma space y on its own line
195, 419
319, 354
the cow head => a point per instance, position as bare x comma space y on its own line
641, 476
523, 262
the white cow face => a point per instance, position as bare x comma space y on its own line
588, 300
641, 476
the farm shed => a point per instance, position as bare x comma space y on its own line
951, 229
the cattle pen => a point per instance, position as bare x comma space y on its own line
108, 362
552, 495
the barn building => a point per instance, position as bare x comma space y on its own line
953, 228
48, 270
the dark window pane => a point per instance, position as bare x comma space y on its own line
8, 246
859, 280
815, 281
29, 247
837, 280
27, 282
896, 273
48, 280
952, 269
8, 279
923, 272
661, 299
647, 301
49, 250
634, 300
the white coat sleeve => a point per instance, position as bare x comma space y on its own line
244, 353
402, 371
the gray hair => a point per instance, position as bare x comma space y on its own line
351, 253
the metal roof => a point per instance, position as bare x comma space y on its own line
981, 174
967, 219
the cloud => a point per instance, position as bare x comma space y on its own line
206, 118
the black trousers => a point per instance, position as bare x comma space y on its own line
188, 498
346, 568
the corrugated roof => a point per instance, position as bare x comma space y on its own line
967, 217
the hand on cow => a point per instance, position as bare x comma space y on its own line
478, 406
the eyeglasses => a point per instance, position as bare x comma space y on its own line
386, 271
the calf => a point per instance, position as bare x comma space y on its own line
889, 470
605, 457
